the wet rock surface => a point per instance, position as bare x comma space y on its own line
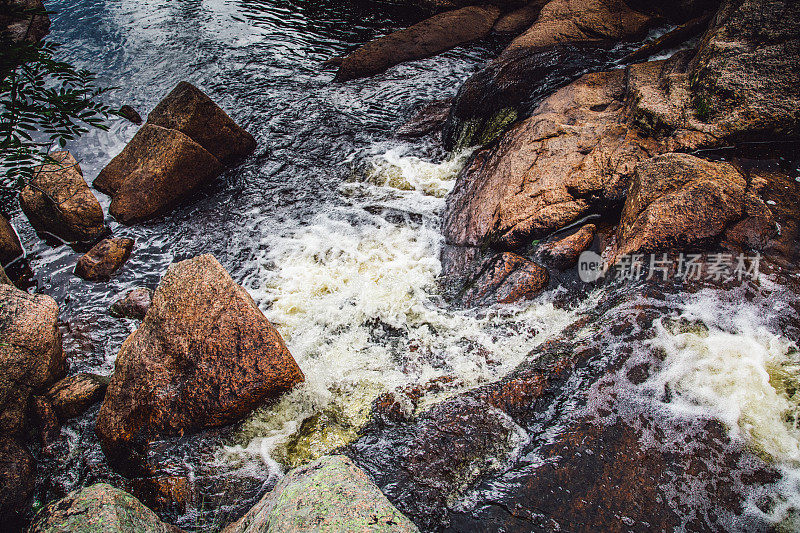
58, 201
188, 110
505, 278
74, 394
17, 480
10, 247
25, 20
204, 356
564, 253
432, 36
428, 119
99, 507
329, 494
104, 259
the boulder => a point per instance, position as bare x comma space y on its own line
583, 21
17, 481
188, 110
10, 247
678, 201
129, 113
44, 418
427, 119
564, 253
506, 278
58, 201
574, 156
746, 77
105, 258
99, 507
427, 38
157, 169
330, 494
74, 394
134, 304
519, 20
204, 356
31, 358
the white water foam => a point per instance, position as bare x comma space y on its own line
354, 295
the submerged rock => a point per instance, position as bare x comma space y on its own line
105, 258
583, 21
10, 247
158, 168
188, 110
99, 507
74, 394
204, 356
134, 304
679, 201
58, 201
31, 358
430, 37
330, 494
427, 119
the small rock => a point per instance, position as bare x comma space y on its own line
99, 507
17, 480
506, 278
188, 110
129, 113
58, 201
134, 305
157, 169
74, 394
105, 258
564, 253
204, 356
330, 494
427, 38
10, 247
427, 119
31, 358
164, 493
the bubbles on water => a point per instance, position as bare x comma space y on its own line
354, 294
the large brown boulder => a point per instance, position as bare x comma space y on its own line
746, 80
58, 201
10, 247
678, 201
430, 37
105, 258
583, 21
99, 507
190, 111
204, 356
157, 168
574, 156
30, 353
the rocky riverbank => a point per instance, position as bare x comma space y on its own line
669, 401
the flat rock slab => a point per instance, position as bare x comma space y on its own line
427, 38
330, 494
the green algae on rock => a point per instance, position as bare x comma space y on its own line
330, 494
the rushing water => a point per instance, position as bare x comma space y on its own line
333, 227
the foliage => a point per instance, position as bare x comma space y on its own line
44, 103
